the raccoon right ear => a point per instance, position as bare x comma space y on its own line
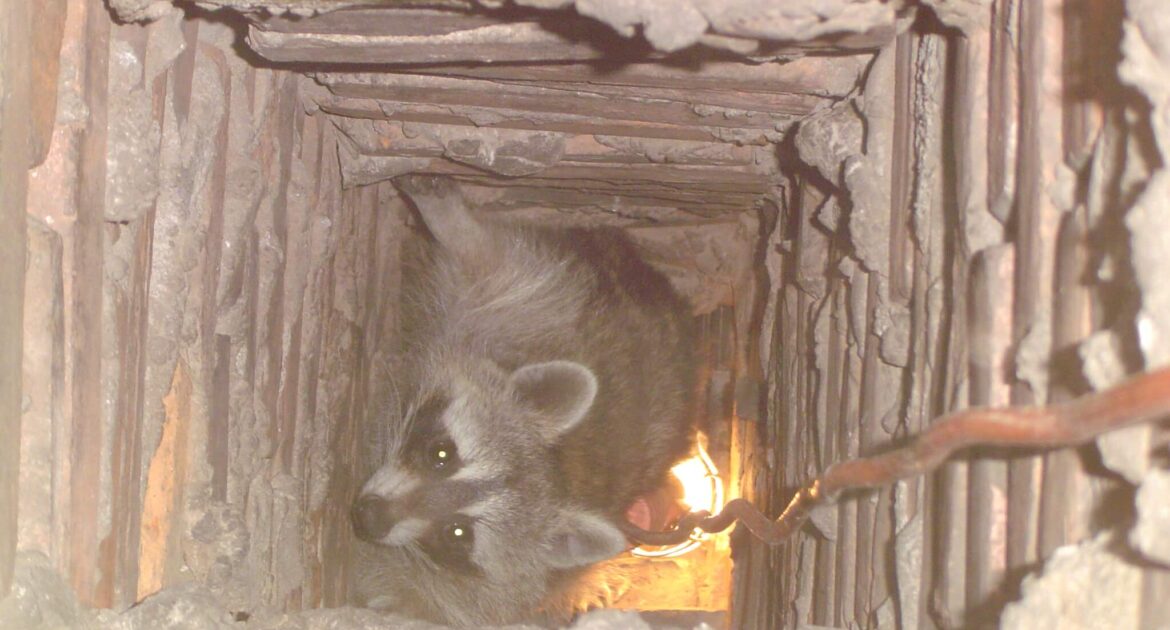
444, 210
563, 391
582, 539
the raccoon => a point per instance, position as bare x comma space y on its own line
550, 382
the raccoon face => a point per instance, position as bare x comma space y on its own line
469, 483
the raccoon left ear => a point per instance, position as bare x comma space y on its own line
563, 391
582, 539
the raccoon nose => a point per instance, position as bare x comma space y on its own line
371, 518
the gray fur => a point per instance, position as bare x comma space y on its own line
559, 367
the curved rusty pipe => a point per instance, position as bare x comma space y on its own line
1143, 398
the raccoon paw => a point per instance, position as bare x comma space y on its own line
416, 186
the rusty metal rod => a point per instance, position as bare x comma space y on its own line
1143, 398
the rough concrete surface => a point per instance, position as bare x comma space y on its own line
1146, 58
1085, 586
41, 599
1149, 536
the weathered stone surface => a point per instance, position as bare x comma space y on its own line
41, 600
45, 58
505, 152
1147, 59
825, 140
1149, 535
1084, 586
966, 15
15, 157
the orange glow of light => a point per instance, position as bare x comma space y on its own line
702, 490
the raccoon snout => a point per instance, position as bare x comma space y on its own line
372, 518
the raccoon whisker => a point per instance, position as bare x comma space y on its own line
491, 525
417, 555
408, 421
400, 408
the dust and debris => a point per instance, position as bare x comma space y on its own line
812, 250
746, 136
796, 20
858, 290
164, 44
1149, 536
507, 152
774, 266
1081, 586
663, 151
1127, 451
886, 615
668, 26
805, 578
40, 598
824, 519
828, 214
1145, 65
981, 229
1032, 358
671, 25
908, 527
737, 45
133, 154
929, 95
821, 330
867, 176
965, 15
891, 322
1063, 189
288, 533
217, 550
826, 139
185, 606
1101, 359
142, 10
358, 169
537, 4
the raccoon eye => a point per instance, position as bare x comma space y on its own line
442, 454
459, 533
450, 545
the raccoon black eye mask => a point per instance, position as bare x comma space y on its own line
450, 545
442, 455
428, 447
1144, 398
